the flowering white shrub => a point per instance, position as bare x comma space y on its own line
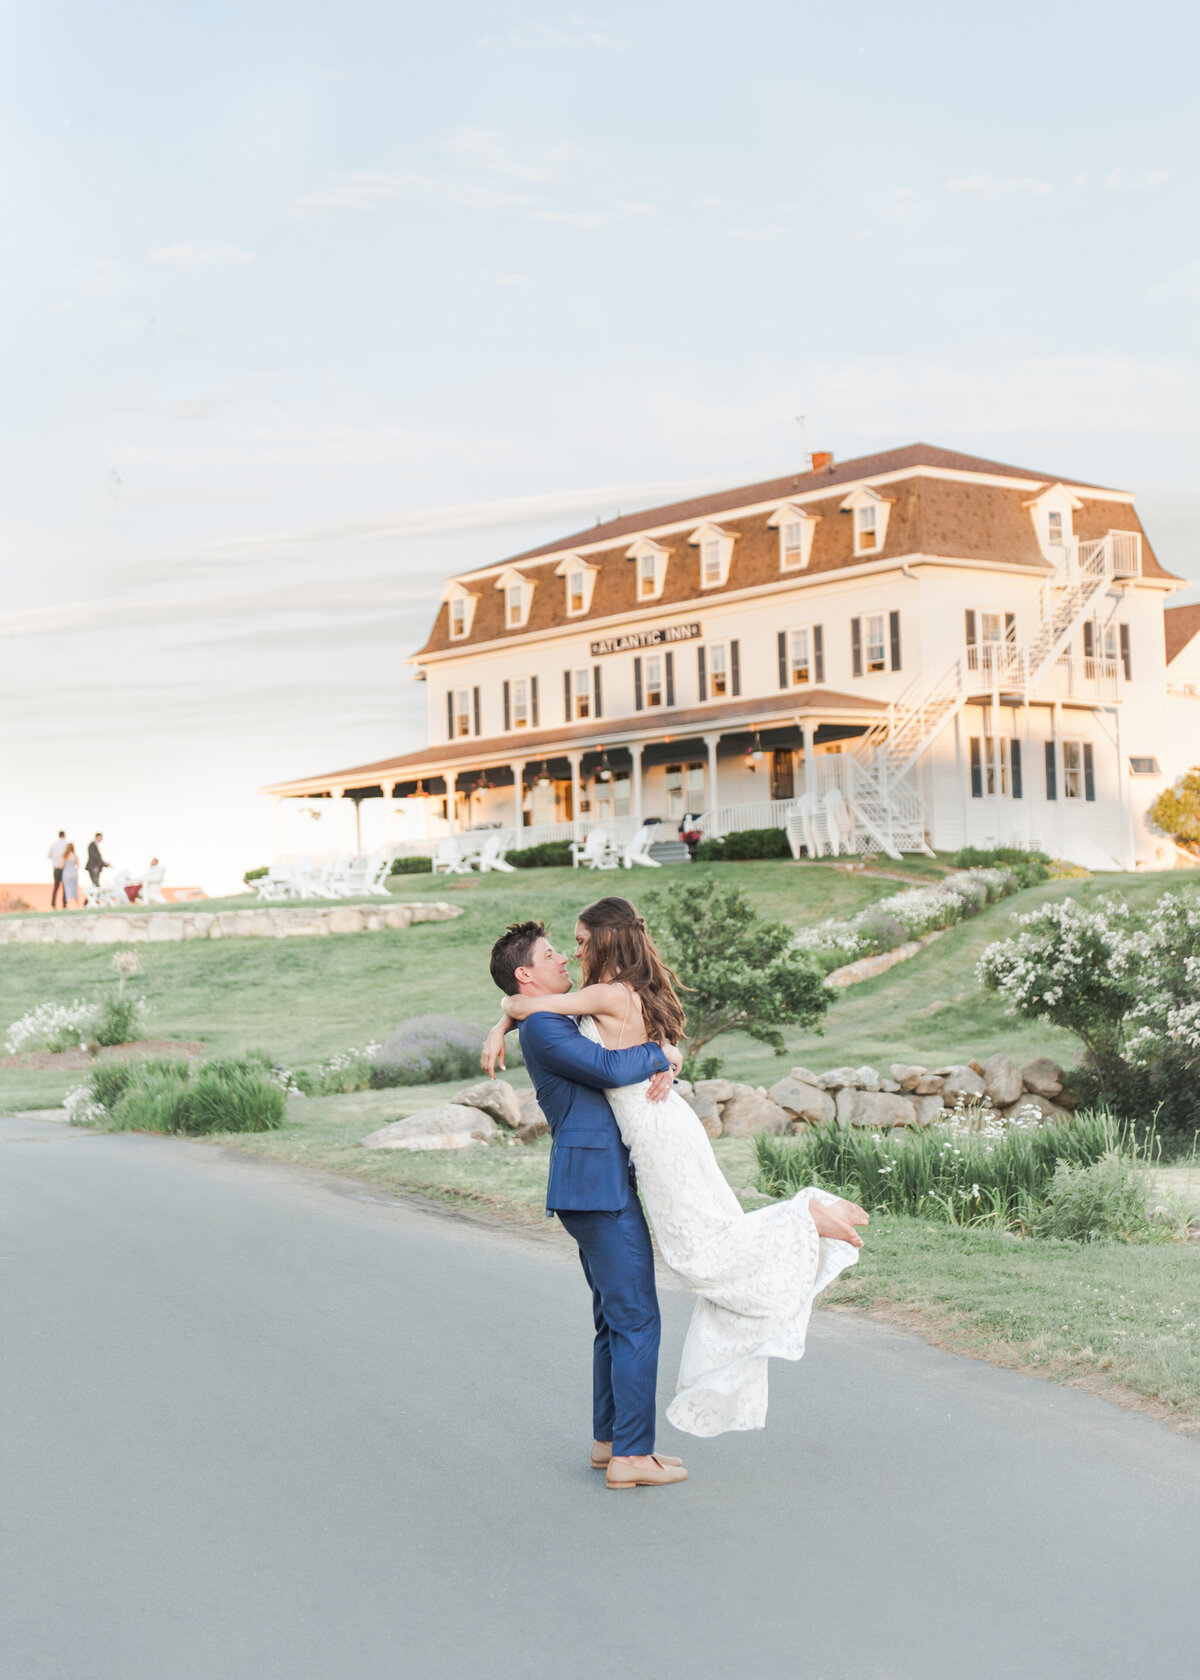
914, 913
82, 1107
52, 1026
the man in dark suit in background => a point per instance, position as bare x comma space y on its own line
95, 862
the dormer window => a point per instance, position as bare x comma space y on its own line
578, 580
650, 568
1054, 528
518, 597
796, 527
1053, 512
866, 529
716, 551
460, 606
575, 582
870, 514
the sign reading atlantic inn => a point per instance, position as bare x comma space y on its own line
945, 649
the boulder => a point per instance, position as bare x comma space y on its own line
495, 1097
1029, 1102
707, 1112
866, 1079
533, 1123
907, 1075
448, 1126
874, 1109
976, 1067
929, 1085
396, 916
1042, 1076
888, 1085
961, 1081
345, 920
165, 927
803, 1099
837, 1078
684, 1087
928, 1109
717, 1090
1002, 1079
806, 1076
108, 930
747, 1113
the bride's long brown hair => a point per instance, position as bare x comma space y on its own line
619, 949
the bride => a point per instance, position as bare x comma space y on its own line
755, 1275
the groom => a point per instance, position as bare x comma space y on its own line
592, 1190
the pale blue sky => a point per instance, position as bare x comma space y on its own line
295, 295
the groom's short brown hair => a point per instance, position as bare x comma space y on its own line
512, 951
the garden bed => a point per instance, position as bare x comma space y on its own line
79, 1059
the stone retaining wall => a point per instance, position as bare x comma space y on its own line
266, 922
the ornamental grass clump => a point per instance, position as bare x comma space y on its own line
986, 1171
170, 1094
1110, 1198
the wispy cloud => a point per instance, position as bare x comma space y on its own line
201, 256
757, 233
487, 149
1133, 180
595, 218
365, 192
993, 186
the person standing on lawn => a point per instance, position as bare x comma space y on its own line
70, 875
55, 853
95, 863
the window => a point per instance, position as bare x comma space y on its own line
716, 549
1079, 775
647, 576
801, 656
575, 591
654, 681
462, 711
458, 616
871, 639
685, 790
1144, 767
866, 530
719, 670
791, 542
521, 703
1126, 655
989, 635
995, 767
710, 562
514, 606
796, 527
1054, 528
577, 693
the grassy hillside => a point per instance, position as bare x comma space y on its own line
302, 999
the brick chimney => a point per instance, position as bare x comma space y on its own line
822, 458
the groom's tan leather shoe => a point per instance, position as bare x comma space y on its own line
657, 1473
602, 1455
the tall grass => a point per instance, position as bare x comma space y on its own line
173, 1095
994, 1176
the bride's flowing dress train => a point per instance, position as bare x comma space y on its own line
755, 1275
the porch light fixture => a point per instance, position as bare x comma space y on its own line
543, 780
420, 792
754, 755
604, 772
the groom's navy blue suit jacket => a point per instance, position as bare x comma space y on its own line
589, 1165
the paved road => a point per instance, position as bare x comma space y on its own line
258, 1428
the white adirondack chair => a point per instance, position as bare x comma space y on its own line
378, 869
802, 827
304, 879
152, 880
113, 892
333, 880
276, 883
449, 858
838, 826
638, 849
490, 858
594, 852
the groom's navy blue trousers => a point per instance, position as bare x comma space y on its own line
591, 1191
618, 1262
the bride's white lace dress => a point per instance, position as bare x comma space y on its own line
756, 1275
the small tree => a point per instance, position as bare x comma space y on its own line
1177, 809
740, 969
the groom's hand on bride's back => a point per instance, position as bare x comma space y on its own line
659, 1088
838, 1219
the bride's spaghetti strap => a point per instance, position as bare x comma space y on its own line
628, 990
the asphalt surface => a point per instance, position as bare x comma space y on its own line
258, 1426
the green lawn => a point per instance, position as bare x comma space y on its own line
302, 999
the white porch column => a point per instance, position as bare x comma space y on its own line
710, 746
518, 771
575, 759
635, 790
276, 813
806, 754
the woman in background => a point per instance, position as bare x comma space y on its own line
70, 875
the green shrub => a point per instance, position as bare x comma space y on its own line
555, 854
748, 846
999, 1174
119, 1020
1030, 868
168, 1094
411, 866
1086, 1203
252, 875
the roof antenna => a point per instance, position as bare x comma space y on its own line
802, 422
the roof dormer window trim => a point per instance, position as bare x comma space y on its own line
1052, 512
460, 611
650, 574
870, 512
796, 527
518, 591
579, 580
716, 553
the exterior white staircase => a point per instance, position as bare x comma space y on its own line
886, 806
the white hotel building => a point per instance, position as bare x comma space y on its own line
972, 653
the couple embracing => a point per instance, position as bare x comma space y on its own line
603, 1061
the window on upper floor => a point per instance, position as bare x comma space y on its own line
458, 616
460, 607
796, 527
514, 605
716, 551
462, 711
1054, 528
578, 692
866, 528
991, 641
791, 544
650, 568
655, 690
647, 576
521, 703
995, 767
710, 562
718, 670
801, 656
875, 643
576, 581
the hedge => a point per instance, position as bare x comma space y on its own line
749, 845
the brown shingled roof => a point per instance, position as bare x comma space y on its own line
1180, 625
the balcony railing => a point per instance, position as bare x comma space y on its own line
1085, 679
997, 662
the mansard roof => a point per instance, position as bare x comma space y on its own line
949, 516
1180, 625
